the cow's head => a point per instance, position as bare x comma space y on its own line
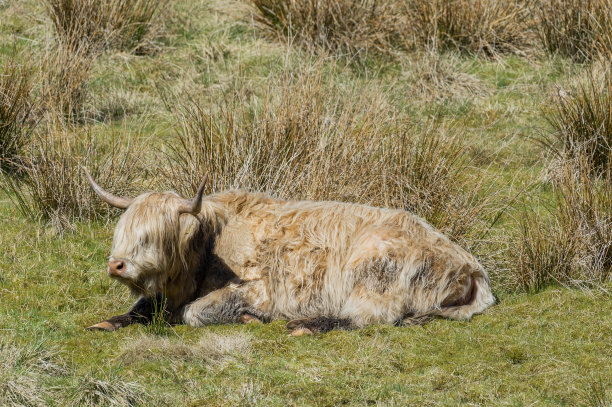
146, 249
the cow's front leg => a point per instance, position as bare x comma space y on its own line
140, 313
233, 303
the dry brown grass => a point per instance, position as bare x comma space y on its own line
64, 75
579, 29
438, 77
488, 27
348, 28
544, 252
571, 243
357, 28
109, 391
16, 82
312, 142
210, 349
585, 207
84, 29
581, 118
22, 369
102, 24
54, 187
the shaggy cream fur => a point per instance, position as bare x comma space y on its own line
252, 254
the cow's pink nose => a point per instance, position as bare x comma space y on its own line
116, 267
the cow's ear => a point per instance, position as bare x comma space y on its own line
113, 200
193, 206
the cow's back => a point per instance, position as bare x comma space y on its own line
313, 257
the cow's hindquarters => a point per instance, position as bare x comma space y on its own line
475, 300
417, 282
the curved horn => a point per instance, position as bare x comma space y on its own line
193, 206
113, 200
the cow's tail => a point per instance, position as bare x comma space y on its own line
476, 299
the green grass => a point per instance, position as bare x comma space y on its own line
550, 348
547, 348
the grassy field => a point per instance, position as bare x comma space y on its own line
471, 130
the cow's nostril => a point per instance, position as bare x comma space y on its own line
115, 267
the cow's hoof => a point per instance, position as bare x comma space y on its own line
249, 319
300, 323
319, 324
301, 332
102, 326
416, 320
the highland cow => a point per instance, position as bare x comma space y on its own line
237, 256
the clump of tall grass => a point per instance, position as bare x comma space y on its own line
84, 29
569, 243
581, 118
103, 24
210, 349
544, 253
487, 27
65, 73
585, 206
349, 28
110, 390
54, 187
16, 82
158, 325
22, 369
312, 142
579, 29
357, 28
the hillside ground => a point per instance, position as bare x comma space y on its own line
551, 346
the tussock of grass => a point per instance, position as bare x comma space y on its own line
311, 142
65, 73
357, 28
578, 29
158, 325
84, 29
348, 28
597, 396
573, 247
489, 27
16, 82
544, 253
21, 372
581, 118
109, 391
211, 348
101, 24
585, 202
54, 187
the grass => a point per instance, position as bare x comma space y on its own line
549, 347
23, 369
479, 27
97, 25
16, 81
353, 29
54, 187
581, 118
357, 29
576, 29
283, 142
432, 124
